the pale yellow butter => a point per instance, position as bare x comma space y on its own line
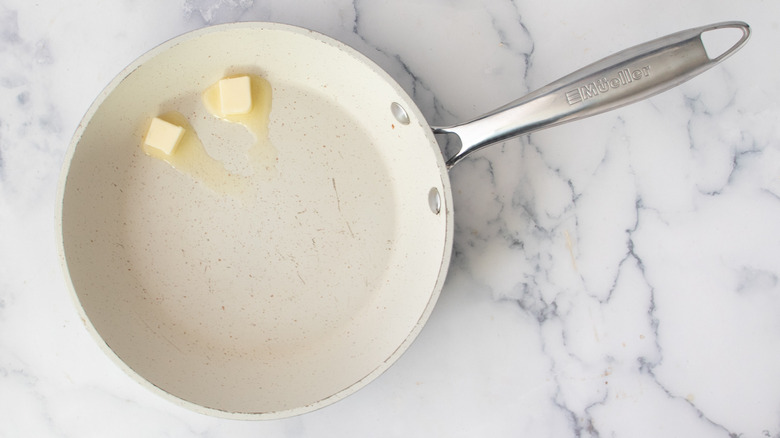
235, 95
163, 135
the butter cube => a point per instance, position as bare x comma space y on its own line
163, 135
235, 95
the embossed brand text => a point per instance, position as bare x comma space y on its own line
603, 85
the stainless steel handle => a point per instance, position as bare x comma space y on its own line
620, 79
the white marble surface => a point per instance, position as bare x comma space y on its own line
615, 277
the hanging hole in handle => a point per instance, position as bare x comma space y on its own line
722, 41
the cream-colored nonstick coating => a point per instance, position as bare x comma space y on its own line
296, 291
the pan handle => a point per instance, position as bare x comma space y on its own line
620, 79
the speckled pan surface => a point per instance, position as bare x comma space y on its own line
294, 292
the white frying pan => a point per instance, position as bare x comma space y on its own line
317, 277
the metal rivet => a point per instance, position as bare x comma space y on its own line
399, 113
434, 200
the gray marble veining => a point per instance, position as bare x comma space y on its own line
612, 277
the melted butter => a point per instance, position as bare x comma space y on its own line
190, 157
262, 155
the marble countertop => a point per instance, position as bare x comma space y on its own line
614, 277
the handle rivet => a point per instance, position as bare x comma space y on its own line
434, 200
399, 113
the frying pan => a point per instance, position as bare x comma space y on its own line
310, 281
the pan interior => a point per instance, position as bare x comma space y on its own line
294, 293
